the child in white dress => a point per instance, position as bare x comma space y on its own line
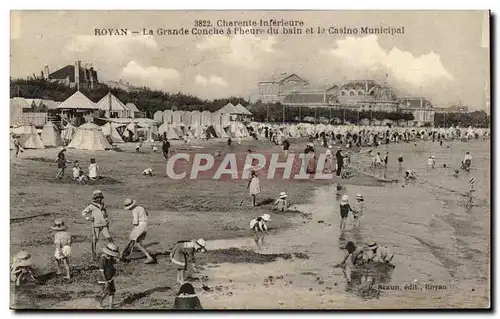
254, 186
93, 169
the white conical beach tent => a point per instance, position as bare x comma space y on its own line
109, 130
90, 137
28, 136
50, 135
169, 129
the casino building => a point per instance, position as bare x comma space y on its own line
363, 95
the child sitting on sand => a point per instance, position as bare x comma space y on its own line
456, 173
77, 170
409, 174
62, 241
259, 227
22, 269
281, 204
148, 172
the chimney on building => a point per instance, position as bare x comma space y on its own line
85, 75
46, 72
91, 71
77, 75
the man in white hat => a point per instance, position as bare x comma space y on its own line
138, 234
107, 269
259, 227
62, 241
96, 213
183, 253
281, 204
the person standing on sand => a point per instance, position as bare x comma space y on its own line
254, 186
62, 241
17, 146
96, 213
259, 227
187, 299
340, 161
400, 161
386, 159
61, 163
328, 160
286, 147
183, 253
345, 208
93, 169
138, 234
361, 207
470, 198
107, 269
165, 147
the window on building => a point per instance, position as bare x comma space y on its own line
351, 93
343, 93
360, 92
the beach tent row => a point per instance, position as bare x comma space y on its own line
110, 104
225, 116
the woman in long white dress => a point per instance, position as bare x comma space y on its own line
254, 186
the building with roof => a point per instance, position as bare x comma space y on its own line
421, 108
26, 112
123, 85
74, 76
276, 88
362, 95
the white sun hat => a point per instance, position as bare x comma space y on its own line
283, 195
266, 217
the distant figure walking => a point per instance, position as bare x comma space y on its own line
17, 146
165, 147
61, 163
138, 234
400, 161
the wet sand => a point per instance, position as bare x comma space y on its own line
442, 250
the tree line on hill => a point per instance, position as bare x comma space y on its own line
147, 100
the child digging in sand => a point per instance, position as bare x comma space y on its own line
259, 227
281, 204
183, 253
62, 241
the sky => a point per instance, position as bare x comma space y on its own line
440, 56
